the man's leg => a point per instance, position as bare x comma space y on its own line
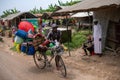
57, 58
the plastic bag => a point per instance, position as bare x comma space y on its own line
18, 40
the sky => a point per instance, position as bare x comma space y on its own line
26, 5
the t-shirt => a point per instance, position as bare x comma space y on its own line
54, 35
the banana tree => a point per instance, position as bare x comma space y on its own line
10, 11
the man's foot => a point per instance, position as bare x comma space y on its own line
100, 55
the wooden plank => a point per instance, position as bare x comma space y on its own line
113, 40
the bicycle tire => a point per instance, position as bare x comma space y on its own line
62, 66
39, 60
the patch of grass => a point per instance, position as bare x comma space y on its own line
78, 38
13, 48
1, 40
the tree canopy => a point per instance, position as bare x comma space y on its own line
10, 11
51, 8
67, 3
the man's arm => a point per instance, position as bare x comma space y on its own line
49, 35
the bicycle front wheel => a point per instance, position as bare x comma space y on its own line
39, 60
62, 66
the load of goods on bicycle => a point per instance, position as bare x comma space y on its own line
29, 42
28, 39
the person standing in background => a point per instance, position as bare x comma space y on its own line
97, 35
40, 22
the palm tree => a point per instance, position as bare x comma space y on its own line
72, 2
52, 8
10, 11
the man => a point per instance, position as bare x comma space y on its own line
97, 34
52, 36
88, 45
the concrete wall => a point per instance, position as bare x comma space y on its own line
104, 16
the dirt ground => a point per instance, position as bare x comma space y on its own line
79, 67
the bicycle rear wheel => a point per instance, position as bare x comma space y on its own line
39, 60
62, 66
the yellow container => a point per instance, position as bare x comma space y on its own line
17, 47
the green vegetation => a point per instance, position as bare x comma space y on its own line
72, 2
78, 38
1, 40
13, 48
8, 12
52, 8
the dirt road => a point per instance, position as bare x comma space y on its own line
15, 66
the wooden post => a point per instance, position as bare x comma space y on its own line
68, 36
89, 22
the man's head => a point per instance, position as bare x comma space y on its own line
95, 21
54, 27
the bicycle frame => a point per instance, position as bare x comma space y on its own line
41, 60
54, 53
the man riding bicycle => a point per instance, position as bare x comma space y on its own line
52, 43
53, 35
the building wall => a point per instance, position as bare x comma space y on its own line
104, 16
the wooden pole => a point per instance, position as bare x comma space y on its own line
89, 21
67, 22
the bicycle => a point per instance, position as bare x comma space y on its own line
42, 60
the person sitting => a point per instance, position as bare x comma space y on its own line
88, 45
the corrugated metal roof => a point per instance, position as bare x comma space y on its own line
47, 15
82, 14
38, 15
88, 5
12, 16
64, 7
